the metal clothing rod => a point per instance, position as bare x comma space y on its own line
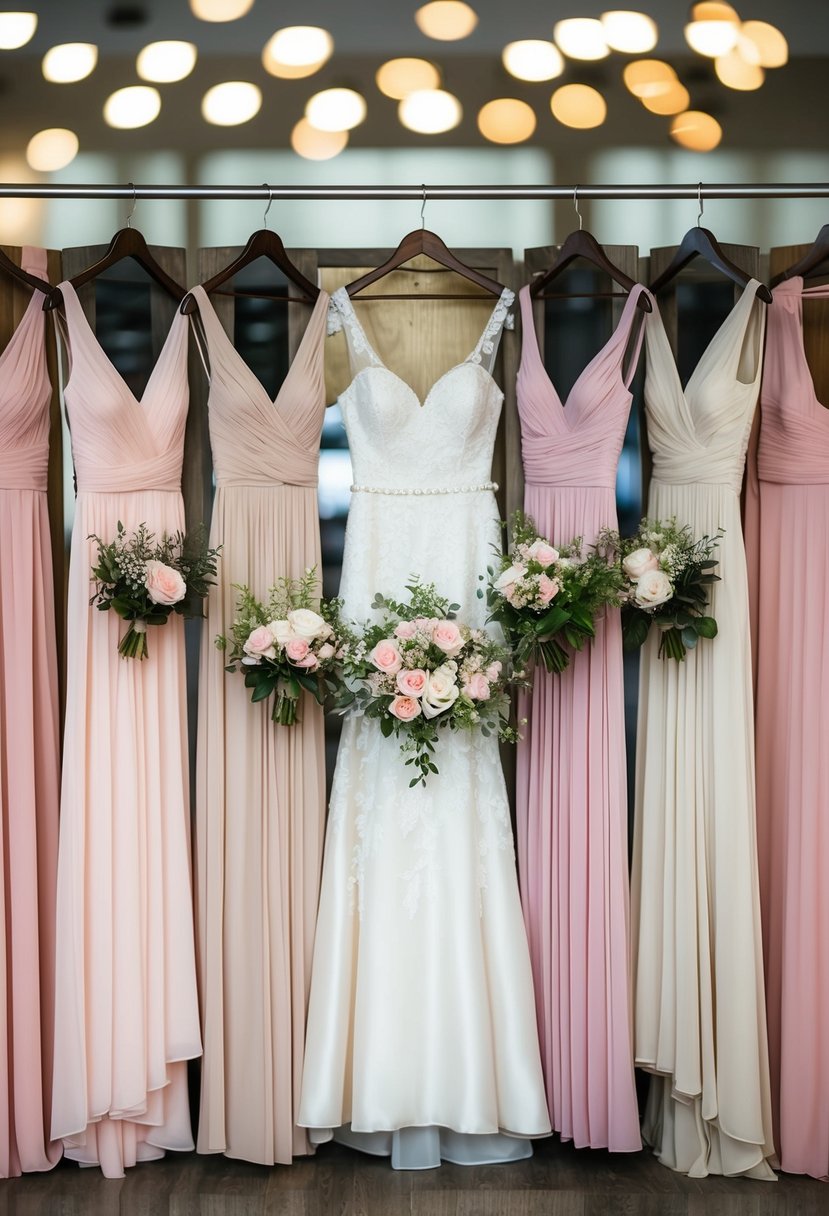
709, 191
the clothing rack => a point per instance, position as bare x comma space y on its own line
266, 192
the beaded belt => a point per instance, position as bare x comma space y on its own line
485, 485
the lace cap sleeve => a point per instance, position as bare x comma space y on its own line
334, 321
486, 351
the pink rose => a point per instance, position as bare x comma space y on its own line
477, 687
405, 708
297, 650
412, 682
310, 662
639, 562
405, 630
494, 670
326, 651
164, 584
548, 588
386, 657
447, 637
260, 644
542, 553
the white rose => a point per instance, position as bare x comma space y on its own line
281, 632
511, 575
440, 693
652, 589
260, 644
639, 562
307, 624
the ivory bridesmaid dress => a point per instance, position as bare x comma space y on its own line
260, 802
571, 798
699, 1003
126, 1003
29, 748
787, 531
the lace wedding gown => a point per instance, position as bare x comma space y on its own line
421, 1032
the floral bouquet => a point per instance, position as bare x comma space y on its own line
145, 580
420, 671
284, 645
547, 599
667, 574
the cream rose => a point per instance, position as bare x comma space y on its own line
405, 708
639, 562
542, 553
494, 671
412, 682
548, 588
447, 637
386, 657
510, 576
260, 644
282, 632
326, 651
307, 624
652, 589
441, 692
477, 687
164, 584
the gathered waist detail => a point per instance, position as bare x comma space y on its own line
159, 473
263, 483
25, 468
676, 471
416, 493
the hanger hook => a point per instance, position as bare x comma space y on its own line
423, 210
266, 186
576, 205
700, 203
131, 212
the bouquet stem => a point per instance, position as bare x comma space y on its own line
284, 711
672, 645
133, 644
555, 657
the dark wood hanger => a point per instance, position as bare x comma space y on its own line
701, 242
17, 272
421, 240
582, 244
127, 243
267, 244
811, 265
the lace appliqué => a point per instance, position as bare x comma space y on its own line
341, 315
500, 319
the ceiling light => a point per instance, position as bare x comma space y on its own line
696, 130
713, 29
220, 10
649, 78
164, 62
446, 20
52, 149
336, 110
533, 59
69, 62
672, 100
581, 38
733, 71
231, 103
314, 144
430, 111
16, 29
297, 51
135, 106
763, 44
506, 121
629, 32
578, 105
399, 77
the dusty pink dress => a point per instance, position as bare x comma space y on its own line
29, 752
260, 788
787, 543
126, 1006
571, 792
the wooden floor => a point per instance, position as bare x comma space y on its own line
558, 1181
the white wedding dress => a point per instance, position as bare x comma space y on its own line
422, 1040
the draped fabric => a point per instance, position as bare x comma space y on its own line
126, 1002
787, 529
700, 1023
29, 747
260, 801
571, 792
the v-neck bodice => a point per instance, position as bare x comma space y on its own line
121, 444
255, 439
24, 393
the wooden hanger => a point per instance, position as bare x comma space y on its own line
582, 244
701, 242
17, 272
811, 265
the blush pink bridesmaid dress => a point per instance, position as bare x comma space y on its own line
29, 750
571, 792
126, 1006
787, 530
